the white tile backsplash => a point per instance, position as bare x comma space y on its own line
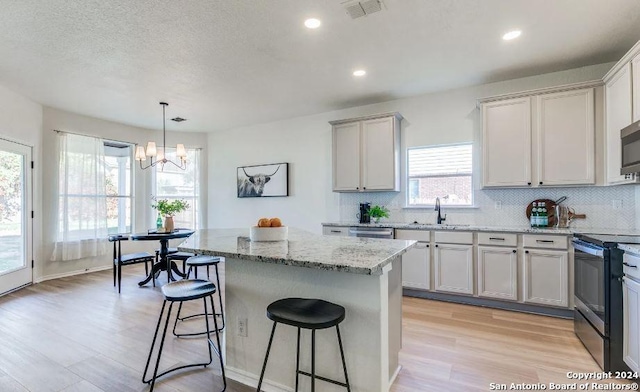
597, 202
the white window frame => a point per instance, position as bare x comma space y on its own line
197, 201
448, 206
121, 180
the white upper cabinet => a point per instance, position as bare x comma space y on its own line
560, 122
507, 143
378, 155
635, 69
346, 157
566, 138
618, 115
366, 154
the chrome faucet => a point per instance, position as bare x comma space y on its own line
440, 218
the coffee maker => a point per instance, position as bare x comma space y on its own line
364, 213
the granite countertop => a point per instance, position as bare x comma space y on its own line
506, 229
303, 249
630, 248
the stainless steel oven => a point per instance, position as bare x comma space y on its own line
598, 298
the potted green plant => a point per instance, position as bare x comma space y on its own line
378, 212
167, 209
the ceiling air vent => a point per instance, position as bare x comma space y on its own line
363, 8
178, 119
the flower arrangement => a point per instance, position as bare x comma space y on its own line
377, 212
170, 208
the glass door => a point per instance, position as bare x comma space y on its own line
15, 216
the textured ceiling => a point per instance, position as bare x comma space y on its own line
223, 64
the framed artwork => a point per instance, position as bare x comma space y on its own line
271, 180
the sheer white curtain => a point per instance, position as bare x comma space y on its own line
82, 202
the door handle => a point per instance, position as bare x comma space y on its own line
629, 265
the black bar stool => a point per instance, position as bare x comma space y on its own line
193, 263
310, 314
182, 291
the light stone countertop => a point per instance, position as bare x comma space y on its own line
630, 248
505, 229
303, 249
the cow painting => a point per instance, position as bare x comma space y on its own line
263, 180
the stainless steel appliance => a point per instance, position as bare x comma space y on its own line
363, 215
371, 232
630, 148
598, 297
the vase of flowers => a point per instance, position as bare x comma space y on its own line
378, 212
167, 209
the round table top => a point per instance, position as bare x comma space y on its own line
179, 233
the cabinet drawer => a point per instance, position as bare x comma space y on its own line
498, 239
454, 237
545, 241
335, 230
631, 265
416, 235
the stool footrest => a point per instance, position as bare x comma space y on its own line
342, 384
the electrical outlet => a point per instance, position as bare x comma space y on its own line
498, 205
242, 327
617, 204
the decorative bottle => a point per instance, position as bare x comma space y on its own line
534, 215
544, 216
159, 222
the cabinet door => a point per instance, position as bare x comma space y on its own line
631, 339
454, 268
546, 279
346, 157
635, 68
498, 273
378, 154
618, 115
566, 138
506, 143
415, 267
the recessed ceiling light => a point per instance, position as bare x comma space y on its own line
312, 23
360, 72
511, 35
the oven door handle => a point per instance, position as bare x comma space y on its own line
588, 249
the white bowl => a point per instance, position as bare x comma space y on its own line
268, 233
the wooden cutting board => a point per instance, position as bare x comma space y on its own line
550, 205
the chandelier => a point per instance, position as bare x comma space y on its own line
159, 153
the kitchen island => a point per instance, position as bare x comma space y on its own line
361, 274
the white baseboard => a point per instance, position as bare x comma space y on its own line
395, 375
250, 379
72, 273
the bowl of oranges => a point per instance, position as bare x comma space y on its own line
269, 230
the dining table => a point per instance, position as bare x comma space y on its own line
163, 263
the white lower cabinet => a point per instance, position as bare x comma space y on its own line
454, 268
631, 304
416, 264
498, 272
546, 279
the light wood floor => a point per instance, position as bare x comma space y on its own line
77, 334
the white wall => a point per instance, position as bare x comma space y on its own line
22, 123
55, 119
305, 142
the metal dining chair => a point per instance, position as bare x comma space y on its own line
120, 259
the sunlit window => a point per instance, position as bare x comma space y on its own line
440, 171
174, 183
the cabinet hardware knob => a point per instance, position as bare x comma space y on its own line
427, 245
357, 187
364, 187
526, 251
528, 183
629, 265
436, 245
540, 182
514, 251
